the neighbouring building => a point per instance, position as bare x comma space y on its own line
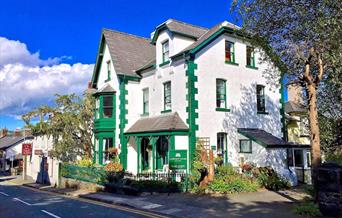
298, 134
155, 97
10, 149
41, 166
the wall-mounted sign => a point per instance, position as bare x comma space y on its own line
38, 152
178, 159
26, 149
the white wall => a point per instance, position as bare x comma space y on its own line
45, 144
241, 96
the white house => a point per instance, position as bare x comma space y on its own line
156, 97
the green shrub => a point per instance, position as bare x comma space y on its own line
233, 183
336, 157
269, 179
307, 208
84, 162
155, 186
226, 170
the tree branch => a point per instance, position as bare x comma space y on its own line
320, 69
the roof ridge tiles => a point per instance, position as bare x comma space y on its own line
124, 33
189, 24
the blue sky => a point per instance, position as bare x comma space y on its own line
49, 47
64, 35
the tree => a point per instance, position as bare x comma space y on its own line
69, 122
303, 39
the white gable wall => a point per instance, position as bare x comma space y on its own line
241, 96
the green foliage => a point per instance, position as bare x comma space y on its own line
197, 167
87, 174
228, 180
269, 179
335, 157
69, 122
307, 208
233, 184
84, 162
155, 186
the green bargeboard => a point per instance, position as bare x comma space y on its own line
178, 159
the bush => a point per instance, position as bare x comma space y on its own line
269, 179
228, 180
233, 183
307, 208
336, 157
84, 162
155, 186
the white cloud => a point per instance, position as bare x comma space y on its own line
26, 81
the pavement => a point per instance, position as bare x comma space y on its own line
258, 204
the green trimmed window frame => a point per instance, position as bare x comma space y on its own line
221, 95
108, 71
243, 143
222, 146
250, 57
167, 97
261, 99
230, 52
146, 101
103, 142
105, 106
165, 52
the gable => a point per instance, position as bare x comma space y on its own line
127, 52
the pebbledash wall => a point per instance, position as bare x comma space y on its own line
241, 84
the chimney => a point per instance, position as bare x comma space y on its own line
294, 93
3, 132
17, 133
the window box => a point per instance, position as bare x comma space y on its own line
223, 109
164, 63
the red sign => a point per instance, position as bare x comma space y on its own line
38, 152
26, 149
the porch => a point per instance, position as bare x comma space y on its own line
152, 142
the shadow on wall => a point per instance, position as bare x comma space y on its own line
43, 174
245, 115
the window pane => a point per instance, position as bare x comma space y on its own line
260, 98
221, 143
220, 93
145, 101
229, 50
308, 159
165, 48
107, 144
167, 96
245, 146
107, 106
298, 156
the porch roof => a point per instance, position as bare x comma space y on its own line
264, 138
161, 123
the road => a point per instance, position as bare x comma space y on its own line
17, 201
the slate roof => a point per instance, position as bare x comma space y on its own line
165, 122
128, 52
107, 88
208, 34
293, 107
185, 28
8, 141
264, 138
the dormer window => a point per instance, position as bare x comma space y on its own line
165, 50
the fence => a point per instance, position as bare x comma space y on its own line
86, 174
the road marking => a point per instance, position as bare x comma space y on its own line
118, 207
3, 193
51, 214
24, 202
